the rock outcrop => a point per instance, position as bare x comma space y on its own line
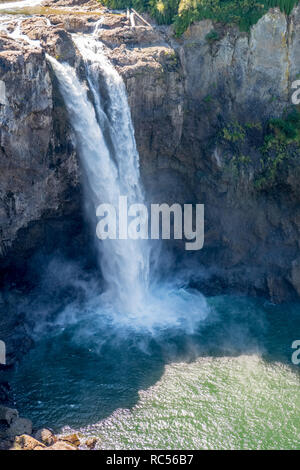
238, 83
11, 425
39, 171
8, 415
17, 434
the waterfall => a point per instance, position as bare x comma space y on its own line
111, 166
110, 160
99, 114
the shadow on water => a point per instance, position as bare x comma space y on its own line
84, 367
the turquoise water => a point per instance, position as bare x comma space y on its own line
229, 385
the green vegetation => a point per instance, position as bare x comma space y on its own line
212, 36
244, 13
208, 99
234, 133
182, 13
277, 143
288, 128
281, 144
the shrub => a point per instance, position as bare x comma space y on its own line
289, 126
212, 36
281, 143
182, 13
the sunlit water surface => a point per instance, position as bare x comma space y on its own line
229, 384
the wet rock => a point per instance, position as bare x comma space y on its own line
114, 21
75, 23
6, 444
91, 443
8, 415
71, 439
141, 35
61, 445
54, 39
3, 430
26, 442
46, 437
19, 426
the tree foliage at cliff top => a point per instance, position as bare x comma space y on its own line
182, 13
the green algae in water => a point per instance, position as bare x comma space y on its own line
212, 403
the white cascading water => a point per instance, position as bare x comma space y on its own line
109, 157
107, 149
124, 263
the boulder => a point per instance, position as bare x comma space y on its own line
72, 439
91, 443
8, 414
55, 40
46, 437
6, 444
75, 23
26, 442
19, 427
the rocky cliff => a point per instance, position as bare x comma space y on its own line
38, 161
200, 105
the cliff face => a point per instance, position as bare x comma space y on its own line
200, 119
200, 109
237, 84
